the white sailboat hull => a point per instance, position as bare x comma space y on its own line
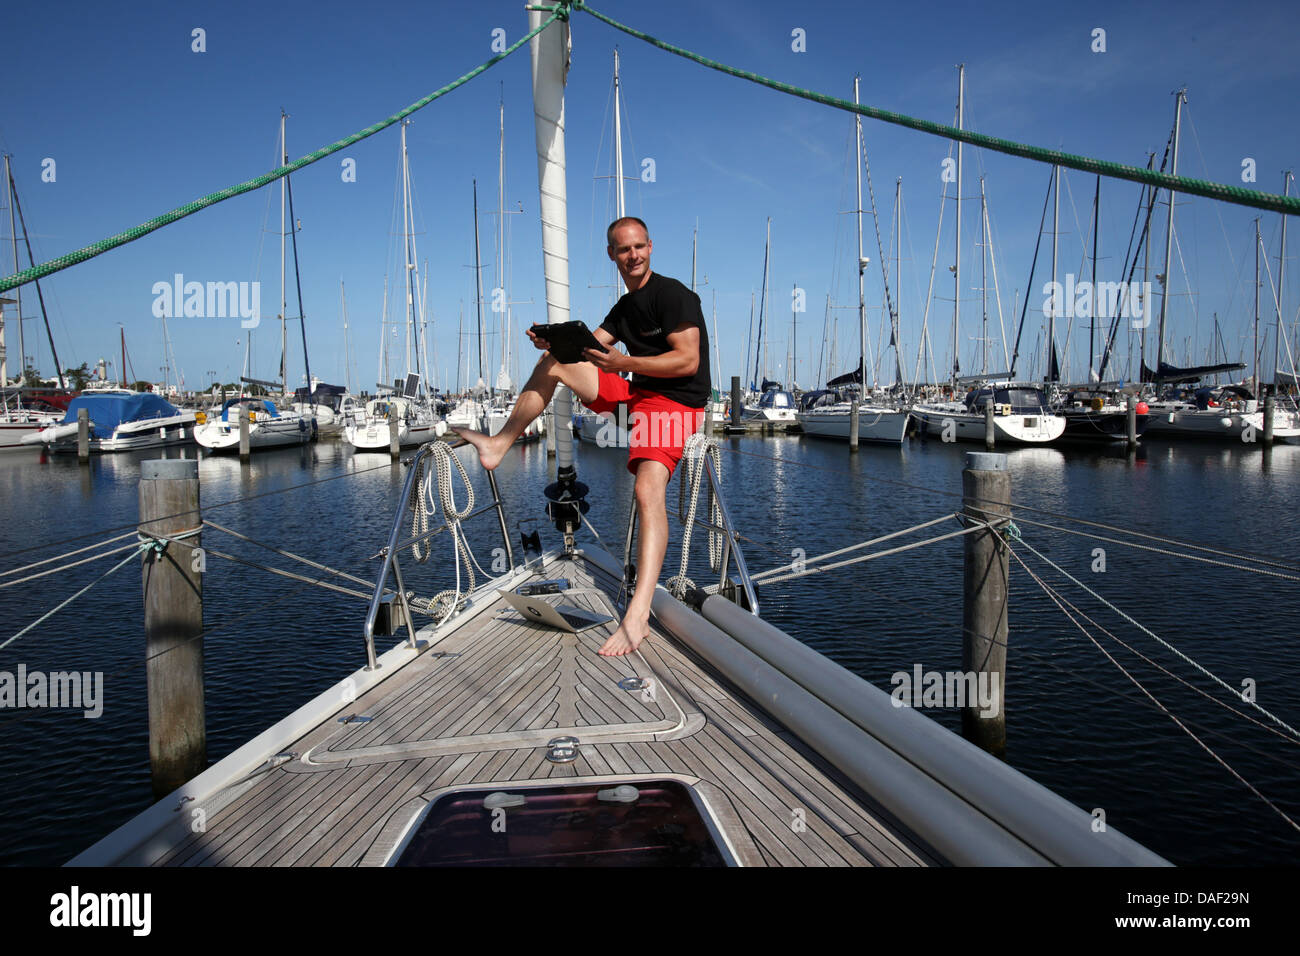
886, 425
374, 435
221, 437
956, 424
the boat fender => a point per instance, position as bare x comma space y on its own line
201, 417
1226, 422
1142, 408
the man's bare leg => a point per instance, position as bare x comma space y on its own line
582, 377
652, 515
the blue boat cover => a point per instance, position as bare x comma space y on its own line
109, 411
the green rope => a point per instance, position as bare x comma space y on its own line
1137, 174
122, 238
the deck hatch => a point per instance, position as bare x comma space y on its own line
566, 826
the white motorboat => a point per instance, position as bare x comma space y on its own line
120, 420
17, 423
268, 427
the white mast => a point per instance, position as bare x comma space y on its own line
956, 298
898, 278
984, 281
862, 266
347, 348
284, 308
1179, 97
618, 140
1281, 274
1057, 293
406, 249
550, 63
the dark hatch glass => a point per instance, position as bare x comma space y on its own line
565, 826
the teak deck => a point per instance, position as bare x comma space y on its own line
478, 708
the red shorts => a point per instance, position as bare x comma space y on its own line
657, 427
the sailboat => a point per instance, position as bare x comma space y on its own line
1177, 411
1021, 410
487, 739
876, 422
269, 426
408, 402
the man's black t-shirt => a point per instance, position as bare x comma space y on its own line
642, 320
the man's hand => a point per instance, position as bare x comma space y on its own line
611, 360
541, 343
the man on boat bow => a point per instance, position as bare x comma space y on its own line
661, 323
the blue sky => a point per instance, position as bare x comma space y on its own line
137, 124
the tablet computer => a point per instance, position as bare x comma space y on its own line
567, 340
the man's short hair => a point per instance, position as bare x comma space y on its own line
609, 233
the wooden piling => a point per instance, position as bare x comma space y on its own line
83, 435
1268, 418
990, 430
1132, 435
737, 409
854, 417
394, 441
986, 490
173, 623
551, 436
243, 432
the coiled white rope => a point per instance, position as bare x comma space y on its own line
445, 603
698, 448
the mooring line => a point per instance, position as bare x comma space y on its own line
1242, 556
1161, 640
1170, 714
136, 549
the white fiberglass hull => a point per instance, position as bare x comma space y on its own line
1217, 423
954, 423
374, 435
128, 436
886, 425
218, 437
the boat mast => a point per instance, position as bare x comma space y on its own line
1255, 348
619, 208
1281, 274
956, 270
501, 236
40, 296
122, 372
284, 335
862, 265
1056, 288
1146, 276
898, 279
1096, 228
18, 292
384, 364
347, 349
984, 281
1179, 97
408, 266
478, 277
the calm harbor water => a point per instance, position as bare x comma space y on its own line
1075, 722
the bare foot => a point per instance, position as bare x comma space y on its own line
634, 629
490, 449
